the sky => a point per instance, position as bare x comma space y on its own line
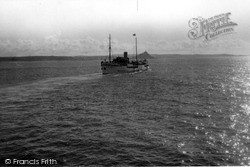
82, 27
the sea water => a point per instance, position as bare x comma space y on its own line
186, 110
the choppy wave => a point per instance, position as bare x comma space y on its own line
186, 111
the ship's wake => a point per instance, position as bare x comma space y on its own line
27, 89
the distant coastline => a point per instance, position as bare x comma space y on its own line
51, 58
87, 58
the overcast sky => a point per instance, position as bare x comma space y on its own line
81, 27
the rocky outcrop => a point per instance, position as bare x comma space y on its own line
145, 55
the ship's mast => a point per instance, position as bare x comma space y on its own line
135, 46
109, 47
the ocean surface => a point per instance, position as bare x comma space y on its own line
186, 110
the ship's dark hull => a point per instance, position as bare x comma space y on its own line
112, 69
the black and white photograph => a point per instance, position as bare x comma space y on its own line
124, 83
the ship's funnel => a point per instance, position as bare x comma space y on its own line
125, 54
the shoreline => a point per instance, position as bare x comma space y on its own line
87, 58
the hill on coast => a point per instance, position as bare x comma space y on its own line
145, 55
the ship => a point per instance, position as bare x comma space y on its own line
123, 64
